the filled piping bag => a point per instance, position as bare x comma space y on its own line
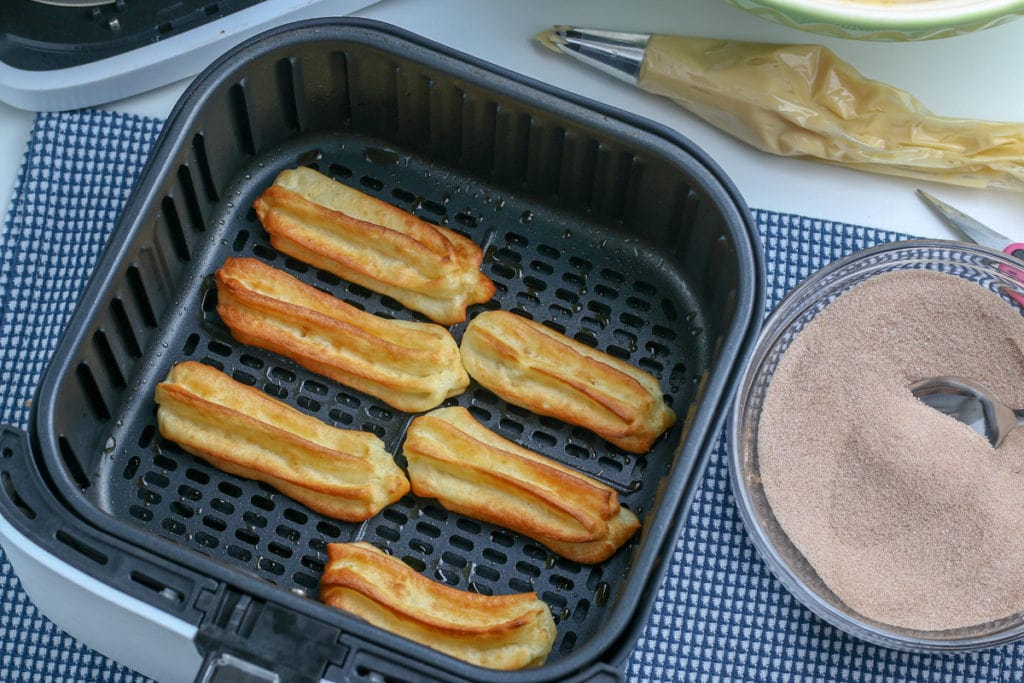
803, 101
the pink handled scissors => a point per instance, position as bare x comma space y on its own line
979, 233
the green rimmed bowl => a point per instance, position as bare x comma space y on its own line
891, 20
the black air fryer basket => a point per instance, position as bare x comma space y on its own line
612, 229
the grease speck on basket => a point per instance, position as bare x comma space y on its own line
909, 516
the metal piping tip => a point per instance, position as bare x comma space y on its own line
618, 53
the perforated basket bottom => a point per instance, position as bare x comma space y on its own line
590, 282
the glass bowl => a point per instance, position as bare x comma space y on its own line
990, 269
884, 19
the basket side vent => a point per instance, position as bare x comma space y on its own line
342, 99
372, 94
446, 120
241, 115
202, 160
125, 328
578, 170
110, 359
290, 85
609, 192
72, 463
543, 169
721, 277
179, 224
91, 390
169, 219
414, 125
511, 144
479, 144
140, 297
193, 207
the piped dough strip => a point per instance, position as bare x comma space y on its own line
539, 369
411, 366
428, 268
345, 474
496, 631
475, 472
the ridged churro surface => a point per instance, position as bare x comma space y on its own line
411, 366
535, 367
477, 473
341, 473
332, 226
495, 631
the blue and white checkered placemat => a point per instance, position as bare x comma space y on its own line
76, 176
719, 614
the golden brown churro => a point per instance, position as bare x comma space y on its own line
477, 473
411, 366
341, 473
495, 631
327, 224
530, 365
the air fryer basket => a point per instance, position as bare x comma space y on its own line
610, 229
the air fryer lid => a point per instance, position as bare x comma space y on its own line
609, 228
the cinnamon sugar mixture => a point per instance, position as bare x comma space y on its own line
909, 516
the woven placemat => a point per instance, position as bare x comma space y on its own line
719, 614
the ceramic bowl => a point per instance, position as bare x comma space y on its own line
893, 20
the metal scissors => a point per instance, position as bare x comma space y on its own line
974, 230
979, 233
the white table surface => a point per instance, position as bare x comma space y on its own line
977, 76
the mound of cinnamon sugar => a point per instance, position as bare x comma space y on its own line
909, 516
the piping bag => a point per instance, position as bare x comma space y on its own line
803, 101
